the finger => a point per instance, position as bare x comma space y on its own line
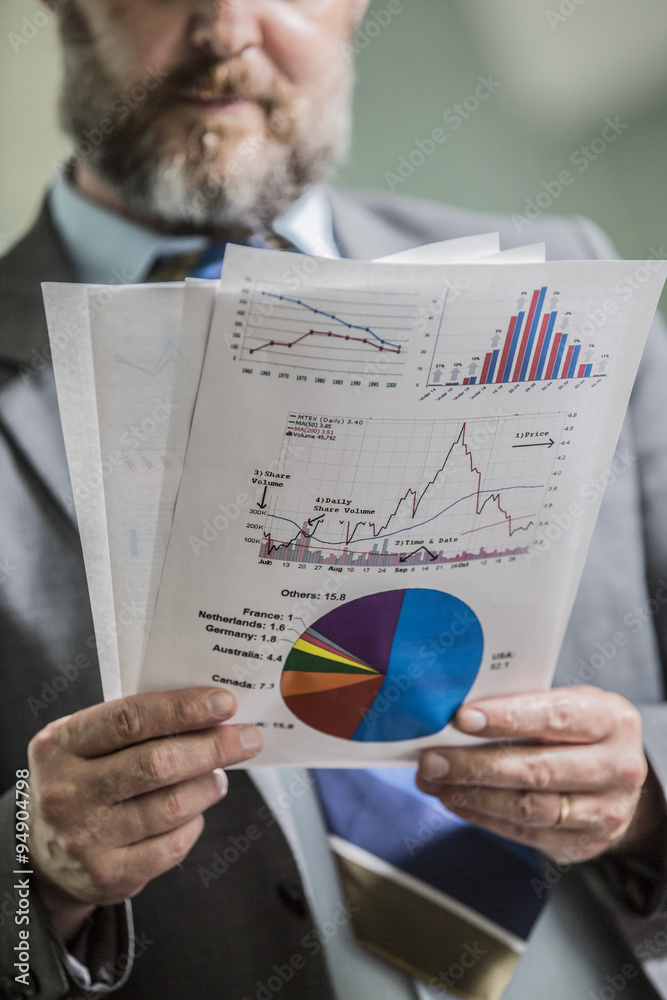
111, 726
569, 847
525, 808
167, 809
168, 761
117, 875
602, 814
556, 769
561, 715
160, 854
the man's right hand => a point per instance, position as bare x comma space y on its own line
118, 791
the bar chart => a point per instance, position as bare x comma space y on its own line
540, 343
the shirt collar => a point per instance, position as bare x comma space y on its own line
308, 225
106, 248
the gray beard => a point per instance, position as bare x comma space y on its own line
190, 191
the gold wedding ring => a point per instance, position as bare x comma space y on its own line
564, 811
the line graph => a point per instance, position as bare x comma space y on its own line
373, 492
169, 354
373, 340
153, 377
417, 497
323, 333
329, 330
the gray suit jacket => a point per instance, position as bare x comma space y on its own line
47, 646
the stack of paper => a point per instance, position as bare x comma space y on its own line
371, 486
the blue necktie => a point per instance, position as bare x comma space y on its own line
427, 891
209, 263
206, 263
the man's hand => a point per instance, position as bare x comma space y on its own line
571, 788
118, 792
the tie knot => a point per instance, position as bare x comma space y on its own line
208, 263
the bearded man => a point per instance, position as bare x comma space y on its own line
196, 123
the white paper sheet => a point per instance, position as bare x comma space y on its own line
146, 382
68, 317
331, 462
127, 376
457, 251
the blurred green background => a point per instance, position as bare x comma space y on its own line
558, 70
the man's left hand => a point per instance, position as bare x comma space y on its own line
571, 787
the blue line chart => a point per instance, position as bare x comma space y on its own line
328, 329
333, 316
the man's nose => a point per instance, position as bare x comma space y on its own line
225, 28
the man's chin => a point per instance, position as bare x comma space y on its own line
198, 127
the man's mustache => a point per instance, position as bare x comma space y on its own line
221, 81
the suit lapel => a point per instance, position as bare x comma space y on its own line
362, 233
28, 406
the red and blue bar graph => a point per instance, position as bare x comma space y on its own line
533, 351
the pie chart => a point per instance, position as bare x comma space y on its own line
386, 667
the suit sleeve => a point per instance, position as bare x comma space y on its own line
33, 961
634, 892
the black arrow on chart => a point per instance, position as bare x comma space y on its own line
315, 520
414, 552
536, 444
262, 505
